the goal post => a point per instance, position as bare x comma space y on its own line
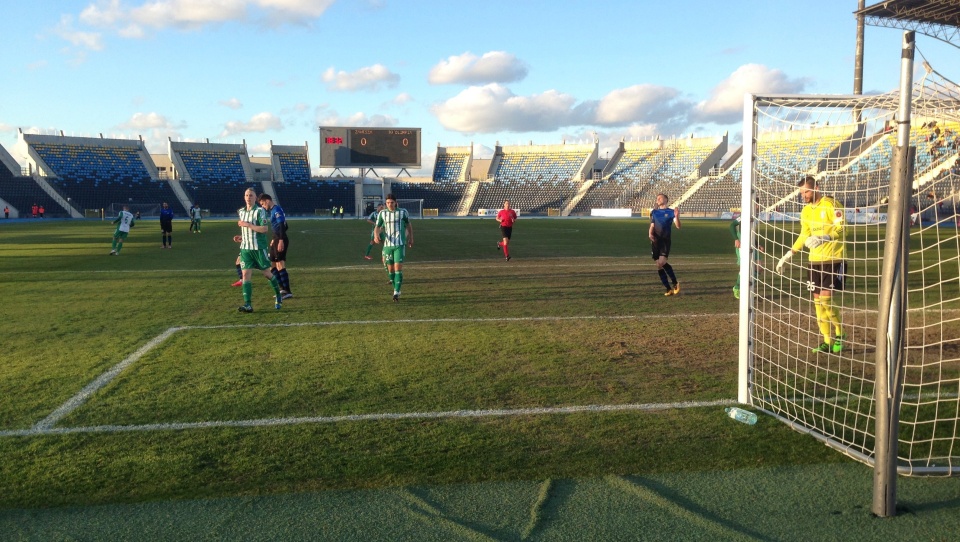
414, 207
847, 144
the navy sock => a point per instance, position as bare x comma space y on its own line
669, 270
663, 279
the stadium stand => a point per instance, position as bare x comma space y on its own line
213, 175
299, 193
96, 173
305, 197
449, 183
535, 178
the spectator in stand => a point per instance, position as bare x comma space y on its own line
33, 211
6, 212
41, 210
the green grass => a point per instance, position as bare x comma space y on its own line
577, 318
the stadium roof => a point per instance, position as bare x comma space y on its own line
936, 18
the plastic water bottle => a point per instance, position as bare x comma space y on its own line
741, 415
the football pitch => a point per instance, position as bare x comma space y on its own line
132, 386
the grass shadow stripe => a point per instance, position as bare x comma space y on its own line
536, 511
425, 511
651, 492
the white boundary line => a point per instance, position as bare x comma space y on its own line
46, 425
267, 422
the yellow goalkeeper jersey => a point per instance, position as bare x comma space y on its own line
823, 218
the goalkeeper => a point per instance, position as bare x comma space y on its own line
822, 233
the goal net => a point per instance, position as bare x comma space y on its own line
414, 207
145, 209
846, 144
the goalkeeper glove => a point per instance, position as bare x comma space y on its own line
816, 240
783, 260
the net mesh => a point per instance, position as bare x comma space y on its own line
847, 144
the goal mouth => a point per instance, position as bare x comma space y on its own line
145, 209
847, 144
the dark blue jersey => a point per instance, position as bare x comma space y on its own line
166, 215
662, 220
278, 222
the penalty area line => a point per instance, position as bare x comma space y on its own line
39, 430
81, 397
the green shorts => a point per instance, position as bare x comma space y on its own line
120, 234
254, 259
393, 255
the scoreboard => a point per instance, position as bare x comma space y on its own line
369, 147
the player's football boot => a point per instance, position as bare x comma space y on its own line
245, 308
824, 347
238, 283
838, 343
676, 288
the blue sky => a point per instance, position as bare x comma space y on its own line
502, 71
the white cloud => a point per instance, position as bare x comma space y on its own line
492, 67
368, 78
134, 21
639, 103
327, 117
402, 99
232, 103
90, 41
154, 128
725, 104
494, 108
261, 122
143, 121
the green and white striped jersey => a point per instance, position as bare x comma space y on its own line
124, 220
251, 239
394, 224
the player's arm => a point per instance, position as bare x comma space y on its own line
676, 217
378, 230
409, 233
650, 233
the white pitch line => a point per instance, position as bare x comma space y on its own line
45, 425
77, 400
271, 422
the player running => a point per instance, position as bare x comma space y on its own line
506, 217
124, 222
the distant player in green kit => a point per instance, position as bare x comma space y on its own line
254, 225
124, 222
372, 219
393, 226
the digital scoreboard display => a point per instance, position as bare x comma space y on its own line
369, 147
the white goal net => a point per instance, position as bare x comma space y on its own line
846, 144
414, 207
